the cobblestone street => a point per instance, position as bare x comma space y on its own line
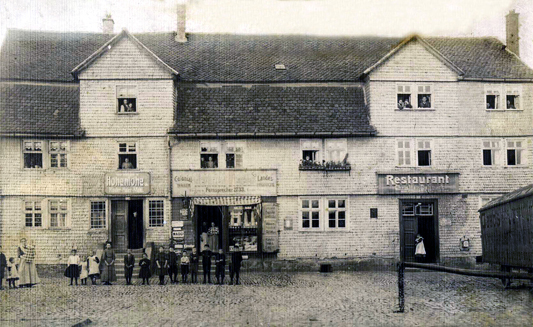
276, 299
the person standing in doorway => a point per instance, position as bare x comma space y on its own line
212, 237
420, 250
108, 262
161, 262
235, 265
194, 266
206, 263
129, 262
173, 265
220, 261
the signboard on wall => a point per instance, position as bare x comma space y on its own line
418, 183
227, 182
127, 183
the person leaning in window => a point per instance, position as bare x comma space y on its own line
510, 105
401, 105
407, 105
127, 164
424, 103
124, 106
130, 108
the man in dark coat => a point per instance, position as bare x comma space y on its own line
173, 265
235, 265
194, 266
129, 262
220, 261
206, 262
3, 265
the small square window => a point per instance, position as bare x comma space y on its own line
374, 213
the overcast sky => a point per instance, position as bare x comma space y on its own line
316, 17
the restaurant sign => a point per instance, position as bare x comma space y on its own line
418, 183
127, 183
261, 182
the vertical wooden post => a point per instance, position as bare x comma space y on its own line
401, 294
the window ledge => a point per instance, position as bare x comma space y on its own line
416, 109
97, 230
127, 113
503, 110
333, 230
58, 228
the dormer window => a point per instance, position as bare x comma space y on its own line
126, 99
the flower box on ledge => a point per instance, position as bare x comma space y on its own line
324, 166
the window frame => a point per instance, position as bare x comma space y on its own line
412, 149
312, 145
323, 214
418, 149
504, 90
133, 95
150, 212
496, 156
414, 94
128, 153
522, 148
230, 147
42, 152
213, 148
105, 212
67, 212
33, 212
59, 153
343, 151
337, 210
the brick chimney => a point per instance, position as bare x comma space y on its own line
512, 27
182, 19
108, 25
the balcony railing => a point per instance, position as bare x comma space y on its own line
325, 165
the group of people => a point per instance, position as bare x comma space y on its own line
127, 106
20, 270
172, 264
405, 104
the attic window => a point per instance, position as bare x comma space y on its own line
280, 67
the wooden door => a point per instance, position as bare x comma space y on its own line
119, 226
408, 231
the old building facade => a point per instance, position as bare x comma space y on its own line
292, 146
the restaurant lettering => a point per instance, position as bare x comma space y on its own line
394, 180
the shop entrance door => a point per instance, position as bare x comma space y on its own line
210, 221
127, 224
119, 228
419, 217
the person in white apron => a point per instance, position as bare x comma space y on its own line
420, 250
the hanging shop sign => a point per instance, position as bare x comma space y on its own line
224, 182
127, 183
418, 183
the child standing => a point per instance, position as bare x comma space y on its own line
12, 273
194, 266
94, 267
220, 261
84, 270
73, 268
144, 273
184, 266
161, 262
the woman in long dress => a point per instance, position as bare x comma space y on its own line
212, 237
27, 270
108, 265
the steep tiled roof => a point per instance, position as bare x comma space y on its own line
39, 109
248, 58
301, 110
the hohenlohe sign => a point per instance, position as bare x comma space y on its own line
418, 183
127, 183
